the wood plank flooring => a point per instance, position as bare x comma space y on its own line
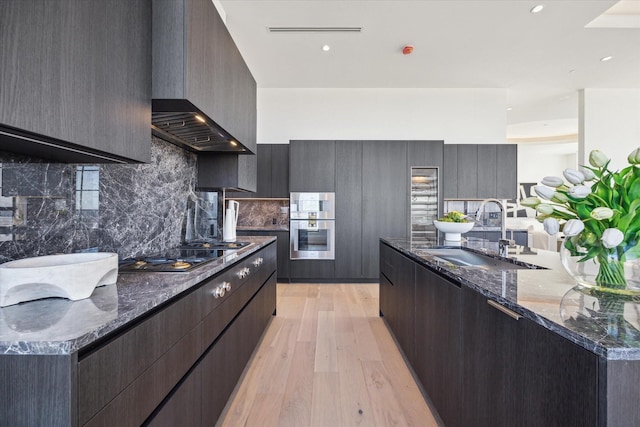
327, 359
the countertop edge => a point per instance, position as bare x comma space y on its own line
185, 282
610, 353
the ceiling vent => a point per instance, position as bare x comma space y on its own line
315, 29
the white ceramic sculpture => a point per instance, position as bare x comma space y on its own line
71, 276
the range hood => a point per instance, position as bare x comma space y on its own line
180, 122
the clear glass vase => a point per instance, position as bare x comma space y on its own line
613, 319
603, 274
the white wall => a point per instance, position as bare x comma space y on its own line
473, 116
609, 121
535, 161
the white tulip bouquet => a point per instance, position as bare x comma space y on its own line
598, 211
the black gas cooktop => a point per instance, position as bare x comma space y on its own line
182, 259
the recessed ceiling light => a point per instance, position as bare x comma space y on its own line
572, 71
606, 58
537, 8
509, 108
326, 48
200, 119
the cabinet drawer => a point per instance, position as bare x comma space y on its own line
136, 403
105, 373
227, 307
236, 276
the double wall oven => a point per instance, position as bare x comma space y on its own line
312, 226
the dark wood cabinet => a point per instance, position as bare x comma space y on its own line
349, 231
264, 170
438, 344
520, 237
282, 249
553, 370
482, 364
518, 373
279, 171
492, 372
371, 184
312, 166
385, 182
195, 59
480, 171
399, 274
227, 171
507, 171
76, 79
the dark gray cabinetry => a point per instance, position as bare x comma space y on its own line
279, 170
507, 171
480, 171
149, 371
482, 364
312, 166
195, 59
398, 273
272, 173
227, 171
76, 75
385, 182
438, 345
519, 373
283, 249
371, 184
349, 231
493, 345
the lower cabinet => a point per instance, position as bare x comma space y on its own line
482, 364
283, 249
518, 373
201, 397
438, 344
180, 365
398, 275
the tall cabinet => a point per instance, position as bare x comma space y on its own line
371, 183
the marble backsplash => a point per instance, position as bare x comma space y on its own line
259, 213
130, 209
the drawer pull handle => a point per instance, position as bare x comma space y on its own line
218, 291
503, 309
226, 286
243, 272
258, 262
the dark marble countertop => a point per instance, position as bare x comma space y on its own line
60, 326
546, 296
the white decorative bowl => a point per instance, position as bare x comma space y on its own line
453, 230
71, 276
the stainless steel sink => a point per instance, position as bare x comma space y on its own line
464, 258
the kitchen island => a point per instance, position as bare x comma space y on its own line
151, 348
506, 346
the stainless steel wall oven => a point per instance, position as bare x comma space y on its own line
312, 226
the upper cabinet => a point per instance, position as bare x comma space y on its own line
198, 71
75, 79
312, 166
480, 171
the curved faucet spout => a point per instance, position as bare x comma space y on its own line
502, 204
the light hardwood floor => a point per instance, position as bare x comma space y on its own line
327, 359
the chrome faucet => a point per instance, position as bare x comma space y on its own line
503, 243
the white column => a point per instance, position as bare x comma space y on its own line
609, 120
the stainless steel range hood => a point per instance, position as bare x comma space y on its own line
182, 123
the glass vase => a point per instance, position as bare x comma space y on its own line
603, 274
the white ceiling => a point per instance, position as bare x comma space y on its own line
541, 59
